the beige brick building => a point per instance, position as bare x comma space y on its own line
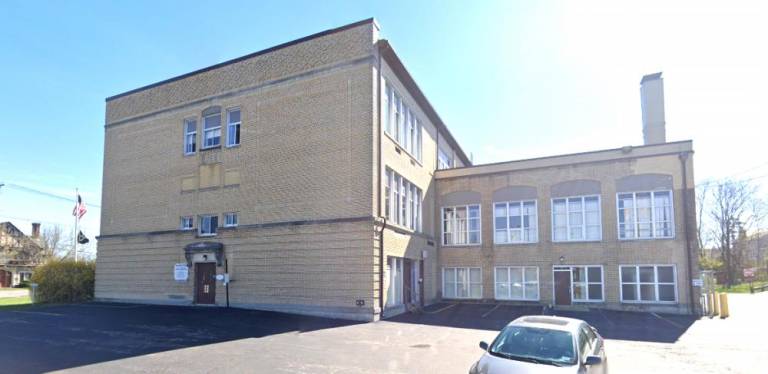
307, 173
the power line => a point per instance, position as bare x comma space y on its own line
46, 194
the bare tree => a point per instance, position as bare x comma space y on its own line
732, 212
57, 242
702, 192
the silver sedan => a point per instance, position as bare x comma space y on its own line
544, 344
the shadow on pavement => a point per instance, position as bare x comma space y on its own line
637, 326
44, 338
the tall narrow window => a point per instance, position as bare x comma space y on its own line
461, 225
576, 219
190, 136
515, 222
444, 161
387, 194
645, 215
386, 108
233, 127
212, 130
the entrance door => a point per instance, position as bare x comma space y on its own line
407, 282
205, 283
562, 287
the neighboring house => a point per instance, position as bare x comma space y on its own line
17, 260
308, 172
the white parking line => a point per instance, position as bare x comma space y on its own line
490, 311
670, 322
441, 309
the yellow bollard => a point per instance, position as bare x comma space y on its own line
716, 302
711, 304
724, 305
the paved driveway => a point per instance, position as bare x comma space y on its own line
96, 338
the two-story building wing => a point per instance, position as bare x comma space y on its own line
308, 178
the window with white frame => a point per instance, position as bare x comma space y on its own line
576, 219
208, 224
212, 130
587, 283
515, 222
461, 225
517, 283
645, 215
396, 276
190, 136
230, 219
648, 284
462, 283
402, 201
233, 127
401, 122
187, 223
444, 161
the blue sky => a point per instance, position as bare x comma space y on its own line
512, 79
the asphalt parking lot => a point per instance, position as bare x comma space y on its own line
96, 338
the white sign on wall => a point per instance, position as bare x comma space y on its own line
697, 282
180, 272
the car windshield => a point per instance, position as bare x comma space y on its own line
535, 345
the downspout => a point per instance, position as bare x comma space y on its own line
683, 159
378, 188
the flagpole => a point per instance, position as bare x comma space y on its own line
77, 219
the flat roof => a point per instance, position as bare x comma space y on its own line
241, 58
603, 155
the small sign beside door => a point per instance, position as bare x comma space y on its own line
180, 272
697, 282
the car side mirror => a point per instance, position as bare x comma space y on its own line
484, 346
593, 360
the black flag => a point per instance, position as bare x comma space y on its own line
81, 238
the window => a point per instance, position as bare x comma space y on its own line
462, 283
400, 122
517, 283
576, 219
444, 161
230, 219
587, 283
190, 136
461, 225
395, 291
402, 200
515, 222
208, 224
645, 215
212, 130
648, 284
186, 223
233, 127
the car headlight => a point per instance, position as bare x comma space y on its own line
473, 369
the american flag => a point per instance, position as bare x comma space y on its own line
79, 210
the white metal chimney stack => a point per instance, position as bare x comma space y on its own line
652, 103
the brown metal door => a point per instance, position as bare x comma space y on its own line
407, 282
205, 283
562, 287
